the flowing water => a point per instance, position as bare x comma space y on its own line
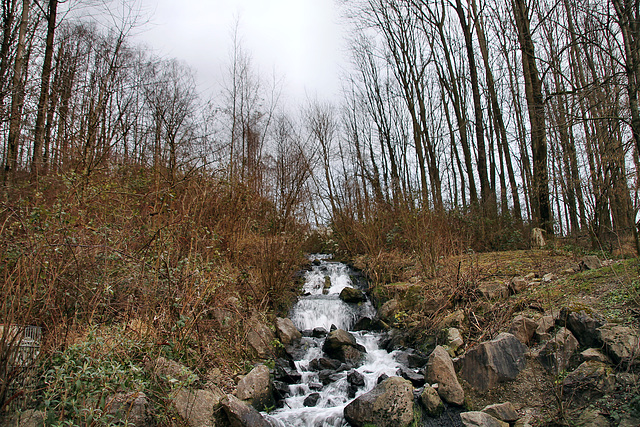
321, 307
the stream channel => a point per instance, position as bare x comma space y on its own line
320, 396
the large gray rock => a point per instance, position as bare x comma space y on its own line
256, 388
523, 328
352, 295
594, 354
518, 284
199, 408
557, 353
454, 341
582, 325
133, 409
592, 418
590, 262
341, 345
545, 324
589, 381
260, 339
286, 331
621, 343
480, 419
389, 309
493, 362
502, 411
240, 414
440, 370
389, 404
431, 401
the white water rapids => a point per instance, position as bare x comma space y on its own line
321, 307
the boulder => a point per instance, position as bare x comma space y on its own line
389, 309
454, 341
352, 295
457, 319
285, 371
133, 409
29, 418
480, 419
311, 400
299, 348
493, 362
408, 374
411, 358
557, 353
440, 370
389, 404
342, 345
256, 388
592, 418
286, 331
582, 325
260, 339
502, 411
369, 324
319, 332
240, 414
171, 371
431, 401
355, 380
523, 328
594, 354
323, 363
589, 381
590, 262
493, 290
545, 324
622, 343
395, 339
199, 408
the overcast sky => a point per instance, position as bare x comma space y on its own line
301, 40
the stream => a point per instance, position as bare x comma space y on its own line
316, 312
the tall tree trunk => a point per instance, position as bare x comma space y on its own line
18, 94
535, 101
38, 137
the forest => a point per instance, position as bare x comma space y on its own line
129, 198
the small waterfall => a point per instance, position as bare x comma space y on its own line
321, 307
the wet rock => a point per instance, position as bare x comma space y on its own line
557, 353
494, 290
369, 324
523, 328
311, 400
298, 349
595, 355
431, 401
440, 370
352, 295
590, 262
622, 343
416, 379
582, 325
389, 309
502, 411
355, 380
396, 339
260, 339
286, 331
256, 388
493, 362
411, 358
281, 390
285, 371
315, 386
480, 419
454, 341
132, 409
323, 363
342, 345
389, 404
319, 332
518, 284
171, 371
381, 378
199, 408
589, 381
329, 376
240, 414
